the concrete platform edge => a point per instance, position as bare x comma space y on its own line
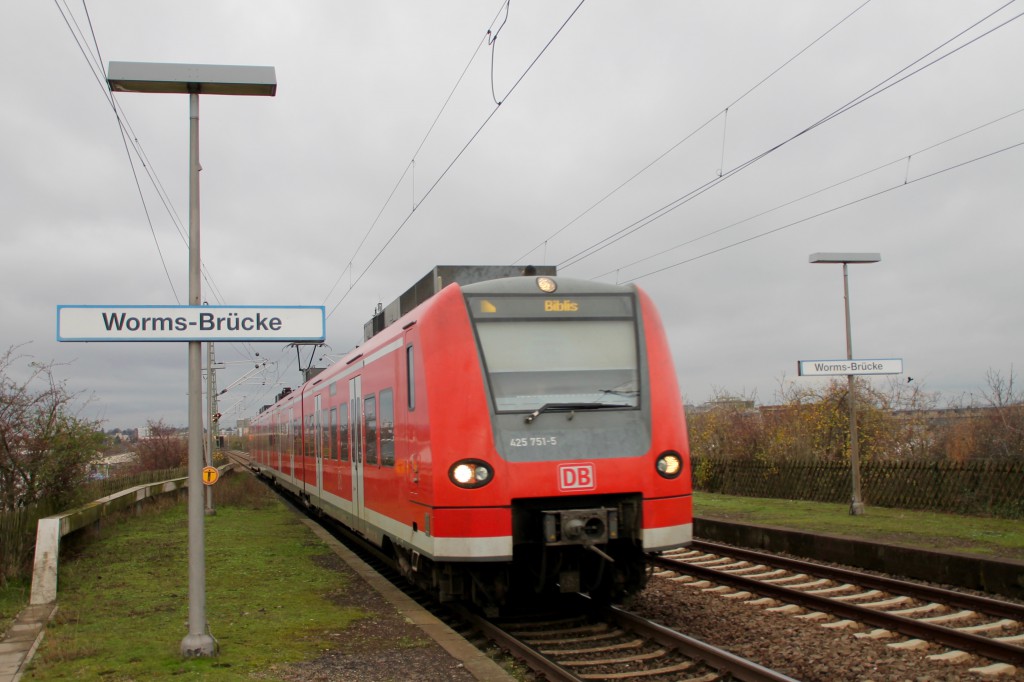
22, 639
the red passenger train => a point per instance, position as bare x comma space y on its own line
500, 437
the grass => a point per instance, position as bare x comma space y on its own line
124, 598
989, 537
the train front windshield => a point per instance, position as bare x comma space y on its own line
550, 353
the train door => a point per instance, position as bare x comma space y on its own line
318, 446
358, 449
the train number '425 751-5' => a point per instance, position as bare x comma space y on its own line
534, 441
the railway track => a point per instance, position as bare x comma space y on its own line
582, 641
237, 457
920, 616
607, 643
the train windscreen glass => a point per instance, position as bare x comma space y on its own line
570, 353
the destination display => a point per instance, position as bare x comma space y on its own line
190, 323
814, 368
533, 307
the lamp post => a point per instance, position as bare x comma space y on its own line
856, 502
194, 79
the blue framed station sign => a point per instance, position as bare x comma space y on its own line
190, 323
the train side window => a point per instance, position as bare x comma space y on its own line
370, 413
308, 437
387, 427
320, 442
410, 378
343, 431
331, 420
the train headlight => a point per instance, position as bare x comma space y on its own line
470, 473
547, 285
669, 464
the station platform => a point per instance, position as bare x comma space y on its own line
393, 639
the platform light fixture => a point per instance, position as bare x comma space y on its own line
194, 80
856, 500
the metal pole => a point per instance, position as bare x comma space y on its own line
210, 409
198, 641
856, 503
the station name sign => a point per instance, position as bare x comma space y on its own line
190, 323
817, 368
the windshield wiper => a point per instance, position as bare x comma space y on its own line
612, 391
569, 407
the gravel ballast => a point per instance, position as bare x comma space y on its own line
799, 648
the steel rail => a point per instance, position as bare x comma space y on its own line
720, 659
536, 661
983, 646
987, 605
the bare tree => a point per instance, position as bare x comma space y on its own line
46, 449
1001, 430
164, 448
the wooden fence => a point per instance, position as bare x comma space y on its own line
980, 487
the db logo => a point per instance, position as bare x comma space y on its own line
576, 477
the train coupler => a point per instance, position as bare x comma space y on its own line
581, 526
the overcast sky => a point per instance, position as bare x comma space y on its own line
773, 130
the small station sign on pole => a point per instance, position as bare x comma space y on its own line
849, 367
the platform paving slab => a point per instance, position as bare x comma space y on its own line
22, 638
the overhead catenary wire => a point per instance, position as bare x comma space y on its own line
877, 89
867, 197
695, 131
89, 59
95, 64
860, 99
411, 166
814, 193
457, 156
492, 40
